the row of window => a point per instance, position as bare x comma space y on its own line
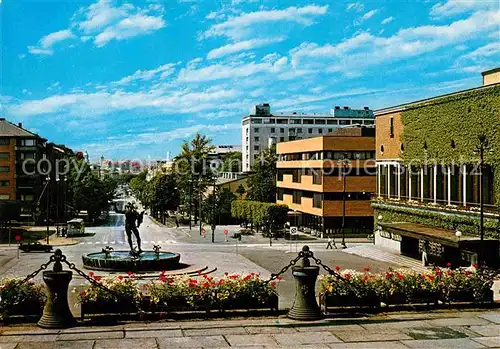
431, 184
311, 121
4, 169
328, 155
4, 183
318, 198
4, 156
318, 174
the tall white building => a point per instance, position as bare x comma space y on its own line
261, 128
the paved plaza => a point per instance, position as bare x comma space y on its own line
417, 330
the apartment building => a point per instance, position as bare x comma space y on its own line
316, 174
431, 183
20, 180
261, 127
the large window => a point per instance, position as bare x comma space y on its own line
282, 121
296, 176
344, 122
317, 176
280, 194
4, 183
332, 122
317, 200
441, 185
4, 168
383, 180
320, 122
4, 156
296, 121
428, 175
415, 182
308, 122
4, 141
297, 197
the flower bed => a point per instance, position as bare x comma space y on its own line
398, 287
27, 299
180, 293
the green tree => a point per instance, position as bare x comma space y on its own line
193, 172
231, 162
216, 208
262, 183
163, 195
240, 191
9, 211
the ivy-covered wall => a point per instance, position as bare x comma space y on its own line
465, 222
459, 118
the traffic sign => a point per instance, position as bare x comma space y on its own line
18, 238
293, 230
203, 231
226, 231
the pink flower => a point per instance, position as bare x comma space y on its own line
448, 264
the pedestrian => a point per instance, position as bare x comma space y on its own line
176, 222
329, 245
425, 249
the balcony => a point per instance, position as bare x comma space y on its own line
305, 206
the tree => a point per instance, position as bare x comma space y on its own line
10, 210
231, 162
192, 171
162, 195
262, 183
240, 191
216, 208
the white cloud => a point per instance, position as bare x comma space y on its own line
369, 15
129, 27
455, 7
101, 14
21, 56
146, 75
356, 6
366, 49
45, 44
387, 20
488, 50
241, 46
238, 27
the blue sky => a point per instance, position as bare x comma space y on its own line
133, 79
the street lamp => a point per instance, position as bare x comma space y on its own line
57, 203
458, 234
48, 207
190, 194
344, 162
481, 147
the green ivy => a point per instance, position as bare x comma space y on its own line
259, 213
465, 222
459, 118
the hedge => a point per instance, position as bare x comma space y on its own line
259, 213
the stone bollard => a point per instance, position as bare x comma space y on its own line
56, 313
305, 306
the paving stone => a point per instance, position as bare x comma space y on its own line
191, 342
463, 343
487, 331
251, 339
461, 321
303, 346
74, 345
270, 329
434, 333
7, 345
306, 338
490, 342
371, 336
152, 326
31, 338
218, 331
35, 345
143, 343
493, 317
153, 333
330, 328
395, 325
29, 332
90, 336
91, 329
365, 345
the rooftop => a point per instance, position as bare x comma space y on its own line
8, 129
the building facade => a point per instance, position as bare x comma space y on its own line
261, 128
316, 174
430, 174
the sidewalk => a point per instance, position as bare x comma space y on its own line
439, 329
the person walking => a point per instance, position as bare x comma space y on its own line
329, 245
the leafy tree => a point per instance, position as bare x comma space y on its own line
138, 185
9, 211
240, 191
262, 183
216, 208
192, 170
162, 195
231, 162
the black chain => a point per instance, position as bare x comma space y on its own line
32, 275
294, 261
327, 268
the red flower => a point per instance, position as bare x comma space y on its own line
431, 277
246, 278
130, 274
337, 268
199, 272
273, 284
365, 278
83, 294
221, 282
206, 285
91, 274
120, 277
448, 264
226, 273
475, 266
467, 273
97, 278
234, 277
401, 276
163, 278
347, 276
367, 270
450, 273
279, 278
388, 275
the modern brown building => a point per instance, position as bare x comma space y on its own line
20, 180
311, 180
430, 174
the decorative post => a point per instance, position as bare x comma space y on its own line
305, 306
56, 313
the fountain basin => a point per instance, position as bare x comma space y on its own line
123, 261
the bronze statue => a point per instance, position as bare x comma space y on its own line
131, 217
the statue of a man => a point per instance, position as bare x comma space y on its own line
133, 220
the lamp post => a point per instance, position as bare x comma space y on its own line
344, 163
458, 234
57, 203
200, 197
190, 194
48, 207
482, 146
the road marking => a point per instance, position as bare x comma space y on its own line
104, 242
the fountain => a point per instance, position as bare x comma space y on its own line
109, 260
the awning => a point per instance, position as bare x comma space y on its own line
442, 236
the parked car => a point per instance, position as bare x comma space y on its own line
34, 246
